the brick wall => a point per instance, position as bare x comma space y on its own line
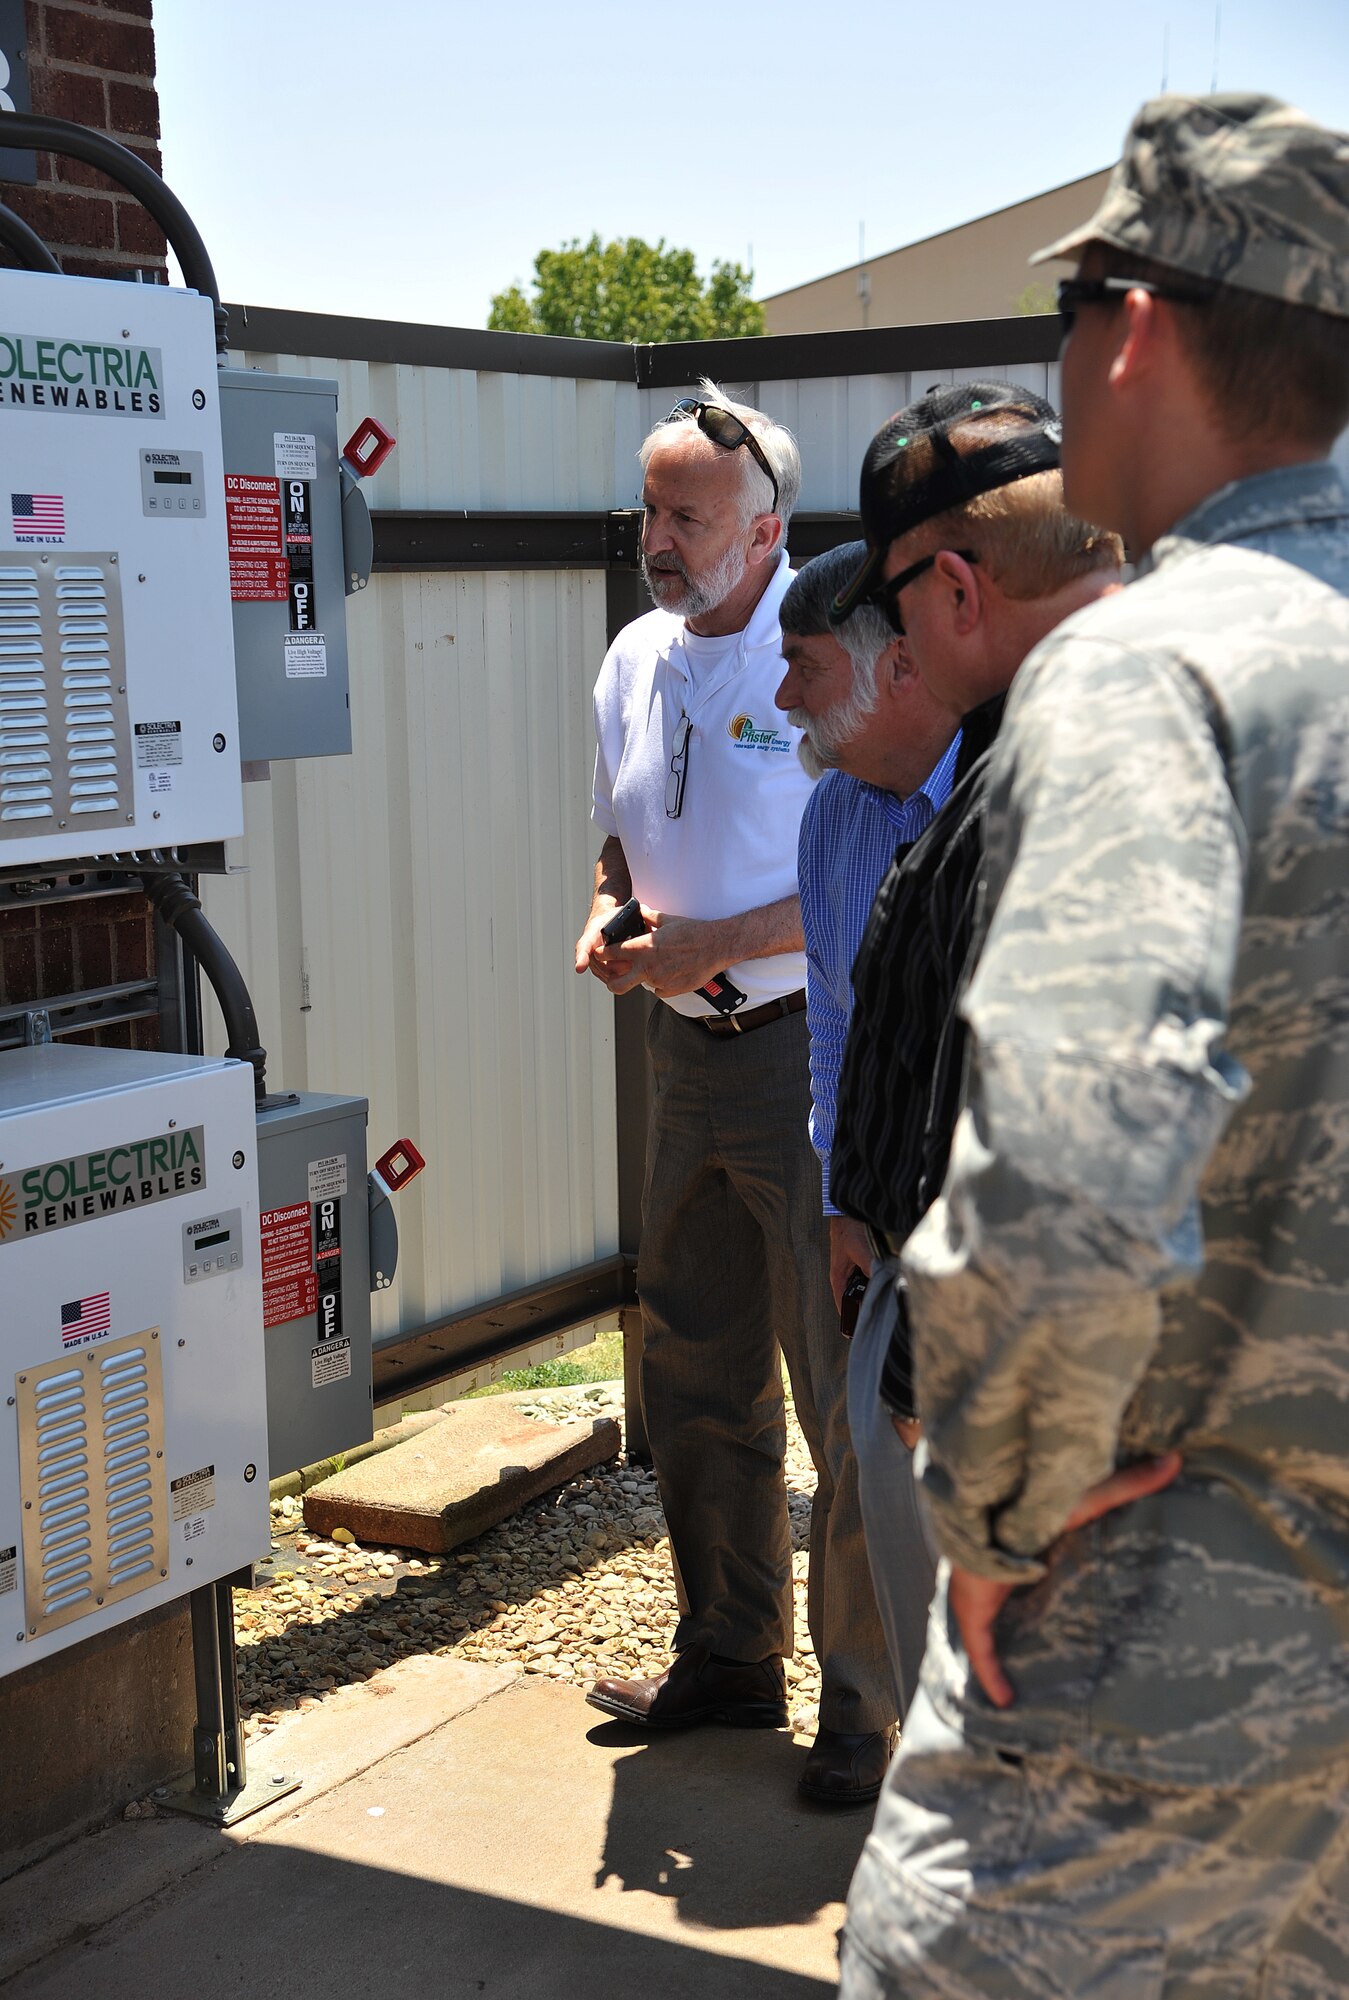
49, 951
93, 63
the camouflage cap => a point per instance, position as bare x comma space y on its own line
1238, 189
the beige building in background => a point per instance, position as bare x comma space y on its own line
978, 271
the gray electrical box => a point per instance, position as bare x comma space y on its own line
283, 511
314, 1204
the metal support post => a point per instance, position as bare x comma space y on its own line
634, 1416
231, 1725
217, 1787
210, 1773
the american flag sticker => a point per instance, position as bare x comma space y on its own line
37, 517
85, 1319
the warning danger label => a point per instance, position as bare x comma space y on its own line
330, 1364
290, 1298
287, 1242
258, 568
289, 1284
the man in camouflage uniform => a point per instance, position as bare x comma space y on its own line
1127, 1770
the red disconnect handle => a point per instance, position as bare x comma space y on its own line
402, 1163
368, 447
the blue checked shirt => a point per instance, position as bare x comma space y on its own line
849, 833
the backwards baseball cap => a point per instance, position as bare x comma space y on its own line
1236, 189
912, 470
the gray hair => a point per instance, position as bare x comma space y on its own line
774, 440
863, 637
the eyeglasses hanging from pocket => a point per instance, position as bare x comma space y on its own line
679, 769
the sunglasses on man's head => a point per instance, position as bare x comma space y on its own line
724, 429
1076, 292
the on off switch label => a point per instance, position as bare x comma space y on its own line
300, 555
9, 1569
327, 1232
330, 1305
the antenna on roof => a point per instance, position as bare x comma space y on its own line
1166, 55
1217, 36
863, 275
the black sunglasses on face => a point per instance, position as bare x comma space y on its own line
1076, 292
725, 430
886, 595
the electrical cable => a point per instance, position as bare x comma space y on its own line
181, 908
26, 244
58, 135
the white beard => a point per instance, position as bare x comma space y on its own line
699, 594
826, 738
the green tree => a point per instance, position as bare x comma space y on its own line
628, 290
1034, 300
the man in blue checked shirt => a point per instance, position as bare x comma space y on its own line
884, 750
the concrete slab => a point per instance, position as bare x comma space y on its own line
396, 1432
481, 1463
94, 1882
525, 1849
355, 1727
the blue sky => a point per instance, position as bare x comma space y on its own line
404, 160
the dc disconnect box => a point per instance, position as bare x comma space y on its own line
283, 509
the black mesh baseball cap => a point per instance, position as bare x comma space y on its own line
913, 471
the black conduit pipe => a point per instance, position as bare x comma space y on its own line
26, 244
178, 906
58, 135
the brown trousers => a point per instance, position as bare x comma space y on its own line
733, 1274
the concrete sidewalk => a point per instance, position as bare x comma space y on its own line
462, 1830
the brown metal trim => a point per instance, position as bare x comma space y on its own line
409, 1362
882, 350
438, 539
410, 539
335, 337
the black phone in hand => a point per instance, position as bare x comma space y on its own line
624, 924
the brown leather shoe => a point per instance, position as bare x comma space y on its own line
843, 1770
696, 1688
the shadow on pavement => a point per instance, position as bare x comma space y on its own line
672, 1828
283, 1923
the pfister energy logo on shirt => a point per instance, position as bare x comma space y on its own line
80, 376
744, 731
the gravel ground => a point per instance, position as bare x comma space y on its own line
577, 1585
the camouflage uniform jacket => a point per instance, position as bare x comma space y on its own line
1143, 1239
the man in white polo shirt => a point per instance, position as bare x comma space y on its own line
699, 793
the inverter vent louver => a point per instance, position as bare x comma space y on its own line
91, 1466
65, 751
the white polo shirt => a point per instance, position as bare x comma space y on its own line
733, 847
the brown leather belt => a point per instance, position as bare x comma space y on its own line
757, 1017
